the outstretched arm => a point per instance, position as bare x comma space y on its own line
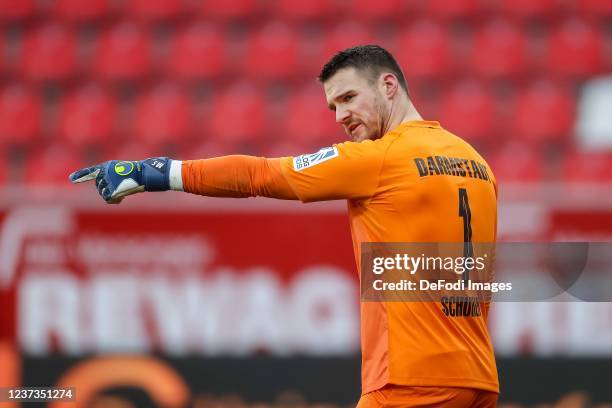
236, 176
227, 176
343, 171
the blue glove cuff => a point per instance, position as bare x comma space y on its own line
155, 173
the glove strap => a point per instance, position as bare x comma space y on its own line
155, 173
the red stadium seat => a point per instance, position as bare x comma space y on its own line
238, 116
597, 8
162, 115
16, 9
153, 10
3, 62
334, 39
87, 116
123, 53
544, 113
468, 109
79, 10
197, 52
445, 9
377, 10
516, 162
424, 50
20, 115
271, 53
49, 53
227, 9
588, 167
209, 148
575, 49
425, 97
132, 149
284, 148
6, 162
302, 10
499, 50
527, 9
308, 120
343, 35
42, 166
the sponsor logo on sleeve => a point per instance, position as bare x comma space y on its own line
308, 160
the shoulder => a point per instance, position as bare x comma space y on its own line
366, 147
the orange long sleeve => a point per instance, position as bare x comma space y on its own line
236, 176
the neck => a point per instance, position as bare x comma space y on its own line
400, 113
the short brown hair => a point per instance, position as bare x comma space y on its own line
363, 57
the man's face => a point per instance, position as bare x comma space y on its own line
359, 104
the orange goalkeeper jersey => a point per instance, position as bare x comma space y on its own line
404, 187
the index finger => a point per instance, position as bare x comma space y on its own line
86, 174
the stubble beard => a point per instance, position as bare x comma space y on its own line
384, 116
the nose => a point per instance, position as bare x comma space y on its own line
342, 115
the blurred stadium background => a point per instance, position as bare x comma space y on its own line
219, 303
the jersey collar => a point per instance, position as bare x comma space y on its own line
420, 123
414, 123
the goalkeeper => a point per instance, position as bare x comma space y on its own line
405, 180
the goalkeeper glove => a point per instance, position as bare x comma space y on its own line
116, 179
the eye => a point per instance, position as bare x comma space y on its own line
347, 98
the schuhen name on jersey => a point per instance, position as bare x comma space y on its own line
451, 166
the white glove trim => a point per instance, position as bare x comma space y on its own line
176, 176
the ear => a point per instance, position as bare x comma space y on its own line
389, 84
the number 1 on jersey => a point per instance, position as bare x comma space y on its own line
466, 214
